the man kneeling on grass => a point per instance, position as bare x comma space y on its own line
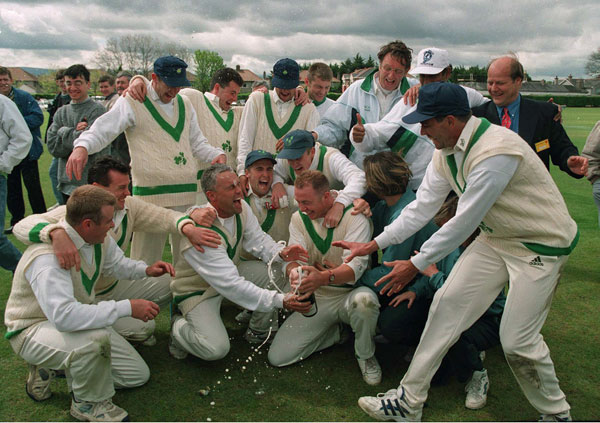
331, 280
52, 321
203, 279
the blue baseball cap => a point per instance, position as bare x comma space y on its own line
256, 155
286, 74
295, 144
439, 99
172, 71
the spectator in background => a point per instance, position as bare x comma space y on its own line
262, 86
122, 81
591, 151
119, 148
107, 88
15, 142
28, 167
318, 83
69, 122
60, 100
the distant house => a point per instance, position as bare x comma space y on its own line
541, 87
248, 77
25, 80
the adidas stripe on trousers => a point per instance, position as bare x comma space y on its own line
475, 281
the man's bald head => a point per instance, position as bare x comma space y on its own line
505, 76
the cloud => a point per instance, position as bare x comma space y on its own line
550, 37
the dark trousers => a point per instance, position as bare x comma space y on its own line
28, 169
404, 326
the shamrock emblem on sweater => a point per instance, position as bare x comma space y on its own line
226, 146
180, 159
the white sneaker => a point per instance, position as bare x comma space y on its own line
371, 371
389, 407
243, 316
104, 411
38, 383
175, 349
149, 342
477, 389
482, 356
565, 416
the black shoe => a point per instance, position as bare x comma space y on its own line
8, 231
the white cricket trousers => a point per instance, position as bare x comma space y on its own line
475, 281
300, 336
156, 290
95, 361
202, 332
149, 246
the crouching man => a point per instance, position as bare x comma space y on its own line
52, 321
331, 280
203, 279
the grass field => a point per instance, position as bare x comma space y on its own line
325, 387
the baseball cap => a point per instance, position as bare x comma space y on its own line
286, 74
172, 71
256, 155
439, 99
431, 61
295, 144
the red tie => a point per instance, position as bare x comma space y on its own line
506, 118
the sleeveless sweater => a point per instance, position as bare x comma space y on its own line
275, 222
270, 127
319, 239
163, 168
188, 287
530, 214
23, 310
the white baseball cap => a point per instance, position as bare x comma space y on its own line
431, 61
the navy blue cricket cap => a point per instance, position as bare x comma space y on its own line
439, 99
172, 71
256, 155
286, 74
295, 143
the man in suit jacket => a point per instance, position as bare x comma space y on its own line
532, 120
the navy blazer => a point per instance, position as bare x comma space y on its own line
538, 127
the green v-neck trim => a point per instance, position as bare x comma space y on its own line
483, 126
368, 82
322, 244
322, 152
174, 131
88, 283
275, 129
123, 225
231, 250
269, 220
318, 103
225, 124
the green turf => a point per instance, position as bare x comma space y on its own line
326, 386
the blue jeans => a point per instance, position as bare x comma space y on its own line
9, 255
596, 192
53, 172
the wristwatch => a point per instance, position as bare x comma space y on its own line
331, 277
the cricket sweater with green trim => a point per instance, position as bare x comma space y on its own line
530, 215
139, 216
163, 169
270, 127
318, 240
275, 222
188, 287
219, 127
22, 308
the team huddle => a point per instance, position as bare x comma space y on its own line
396, 215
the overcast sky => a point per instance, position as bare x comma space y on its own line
550, 37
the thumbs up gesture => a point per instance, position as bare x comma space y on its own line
358, 130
